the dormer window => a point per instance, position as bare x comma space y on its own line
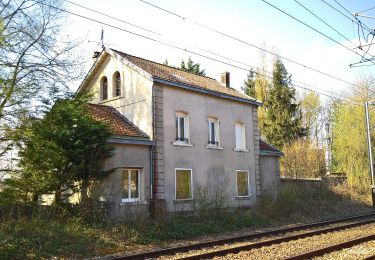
117, 84
104, 88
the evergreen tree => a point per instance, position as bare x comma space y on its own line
192, 67
283, 117
61, 153
249, 84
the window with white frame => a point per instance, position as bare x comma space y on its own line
182, 127
242, 182
239, 129
183, 183
213, 132
131, 185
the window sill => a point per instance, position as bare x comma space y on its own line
182, 144
214, 147
240, 150
243, 197
110, 99
133, 203
182, 201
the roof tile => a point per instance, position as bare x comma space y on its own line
176, 75
118, 123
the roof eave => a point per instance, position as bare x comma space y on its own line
271, 153
90, 74
135, 140
206, 91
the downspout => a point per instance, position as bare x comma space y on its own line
152, 171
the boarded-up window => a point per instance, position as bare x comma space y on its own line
242, 183
183, 184
131, 184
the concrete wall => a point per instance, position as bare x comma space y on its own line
135, 101
111, 188
270, 173
211, 168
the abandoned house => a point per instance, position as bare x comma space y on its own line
176, 133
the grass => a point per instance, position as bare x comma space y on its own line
76, 238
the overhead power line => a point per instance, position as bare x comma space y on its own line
114, 18
366, 10
314, 29
338, 97
196, 47
248, 44
320, 19
356, 21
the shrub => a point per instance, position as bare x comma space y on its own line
302, 160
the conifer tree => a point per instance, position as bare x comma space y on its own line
249, 84
192, 67
283, 122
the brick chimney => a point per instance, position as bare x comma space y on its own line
225, 79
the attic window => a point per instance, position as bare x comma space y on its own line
104, 88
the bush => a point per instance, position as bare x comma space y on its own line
302, 160
209, 202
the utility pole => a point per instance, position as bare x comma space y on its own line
370, 153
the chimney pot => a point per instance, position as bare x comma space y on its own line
225, 79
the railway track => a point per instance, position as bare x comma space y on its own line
321, 228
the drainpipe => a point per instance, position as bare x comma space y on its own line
152, 171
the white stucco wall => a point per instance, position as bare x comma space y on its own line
210, 168
135, 101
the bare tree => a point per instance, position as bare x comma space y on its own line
36, 65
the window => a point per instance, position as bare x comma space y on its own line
116, 84
131, 184
183, 184
242, 179
213, 132
240, 136
104, 88
182, 128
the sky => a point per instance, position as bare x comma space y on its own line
252, 21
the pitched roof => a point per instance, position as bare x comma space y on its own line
118, 123
266, 148
173, 74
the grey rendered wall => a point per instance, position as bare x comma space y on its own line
270, 174
214, 169
137, 156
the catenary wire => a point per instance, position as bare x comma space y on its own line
249, 44
314, 29
366, 10
355, 18
320, 19
114, 18
189, 51
201, 49
343, 7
